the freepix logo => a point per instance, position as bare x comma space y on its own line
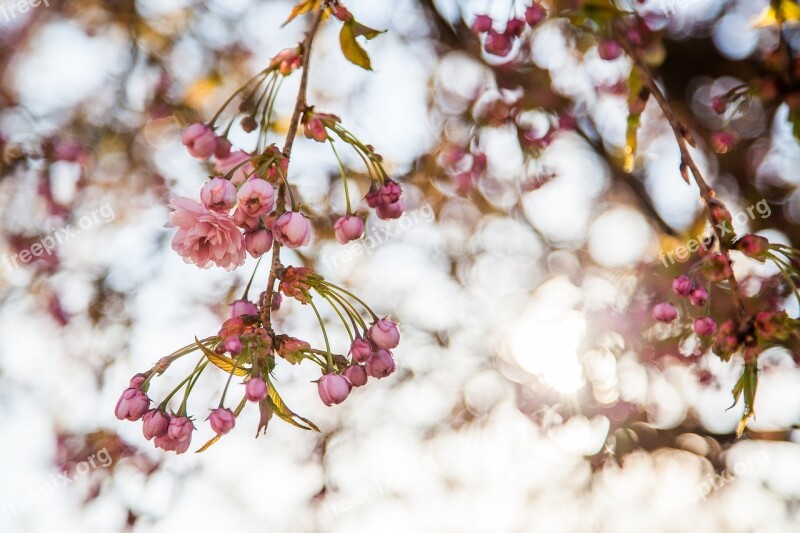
682, 252
49, 243
11, 10
377, 236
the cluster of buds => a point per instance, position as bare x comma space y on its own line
501, 43
243, 347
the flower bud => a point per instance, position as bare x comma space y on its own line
222, 420
233, 345
719, 104
665, 312
131, 405
609, 50
333, 389
356, 374
315, 129
726, 342
391, 211
705, 326
348, 228
384, 334
497, 44
515, 27
292, 229
223, 148
753, 246
534, 15
724, 141
255, 389
256, 197
482, 24
699, 297
180, 429
199, 140
245, 221
155, 423
361, 350
257, 242
682, 285
716, 268
248, 123
381, 364
218, 194
137, 380
243, 307
774, 326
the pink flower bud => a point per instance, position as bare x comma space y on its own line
356, 374
180, 429
137, 380
497, 44
255, 389
199, 140
384, 334
724, 141
774, 326
292, 229
257, 242
609, 50
222, 420
243, 307
719, 104
256, 197
726, 342
665, 312
333, 389
361, 350
245, 221
348, 228
277, 298
218, 194
716, 268
381, 364
315, 129
753, 246
534, 15
515, 27
699, 297
131, 405
482, 23
682, 285
705, 326
391, 211
155, 423
223, 148
233, 345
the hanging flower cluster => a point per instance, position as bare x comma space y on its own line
248, 207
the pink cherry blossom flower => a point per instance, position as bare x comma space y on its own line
665, 312
222, 420
381, 364
131, 405
180, 429
218, 194
199, 140
255, 389
356, 374
243, 307
257, 242
292, 229
155, 423
256, 197
705, 326
204, 236
361, 350
333, 389
348, 228
385, 334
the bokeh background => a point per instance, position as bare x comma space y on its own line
533, 391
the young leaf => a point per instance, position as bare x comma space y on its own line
283, 411
350, 47
221, 361
637, 99
303, 6
748, 383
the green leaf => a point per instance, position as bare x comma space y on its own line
360, 30
637, 99
283, 411
747, 384
350, 47
221, 361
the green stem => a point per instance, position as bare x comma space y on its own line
329, 355
344, 177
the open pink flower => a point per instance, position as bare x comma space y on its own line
218, 194
256, 197
204, 236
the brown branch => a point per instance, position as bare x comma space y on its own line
299, 109
682, 137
